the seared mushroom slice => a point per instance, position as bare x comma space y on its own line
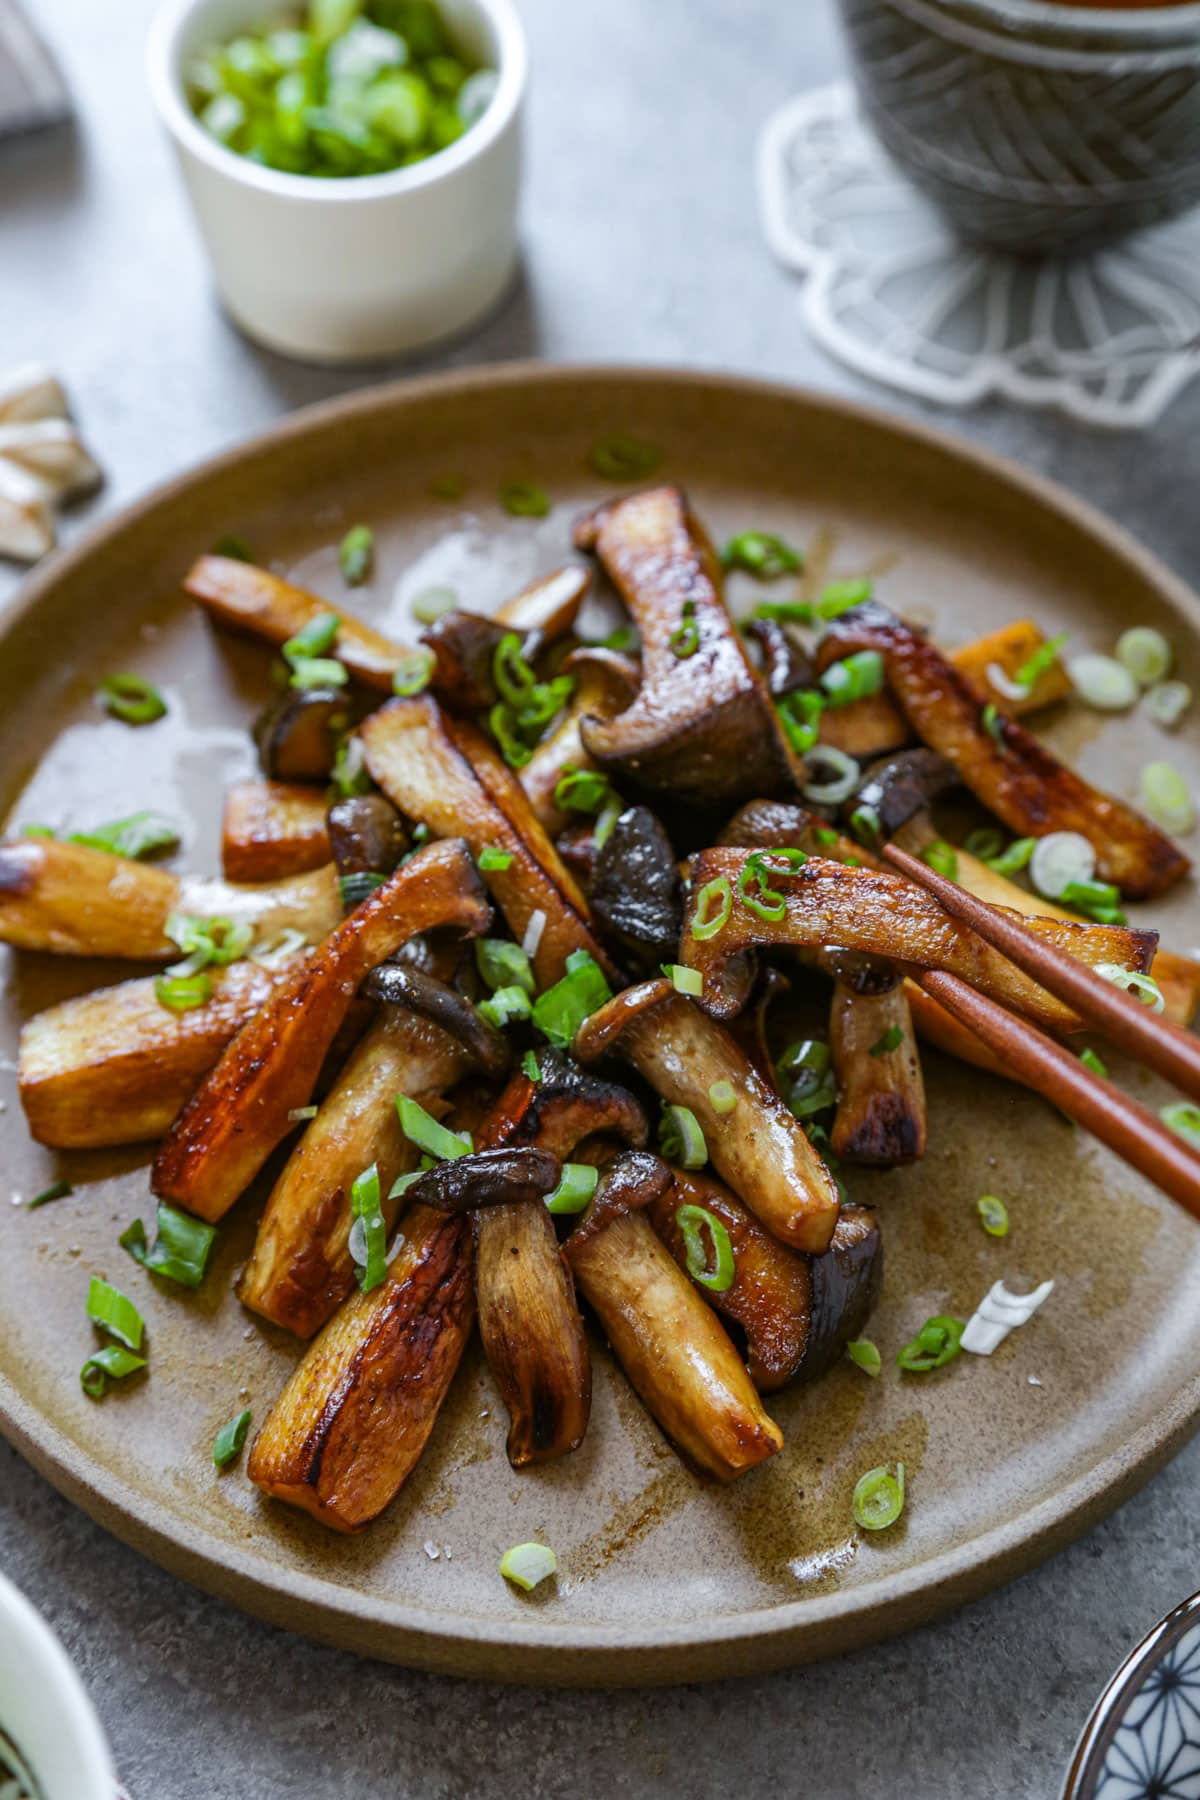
301, 1269
1010, 771
784, 824
636, 895
785, 667
400, 984
367, 835
350, 1425
252, 600
676, 1355
759, 1148
798, 1312
903, 787
271, 829
297, 733
605, 684
444, 772
528, 1318
882, 915
550, 604
702, 728
880, 1117
487, 1178
231, 1125
465, 645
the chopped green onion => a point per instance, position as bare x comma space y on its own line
425, 1132
357, 555
115, 1313
680, 1138
941, 858
866, 826
368, 1231
610, 813
504, 725
300, 1115
358, 886
1058, 859
785, 612
413, 671
1015, 858
502, 964
581, 790
112, 1363
524, 500
683, 979
228, 1443
684, 641
1102, 682
1091, 1061
58, 1190
505, 1005
692, 1222
722, 1097
891, 1040
181, 1248
865, 1356
624, 459
561, 1010
1089, 893
987, 842
530, 1067
856, 677
38, 831
512, 674
318, 672
216, 941
527, 1564
839, 596
761, 554
840, 784
879, 1498
714, 903
993, 1215
234, 547
799, 714
137, 836
182, 993
762, 865
491, 860
313, 639
576, 1186
131, 699
1166, 797
937, 1343
1041, 662
1131, 982
804, 1074
350, 776
1183, 1118
993, 723
826, 836
448, 487
1167, 702
1146, 653
433, 603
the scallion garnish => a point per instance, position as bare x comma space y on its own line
761, 554
530, 1067
757, 871
622, 458
1042, 660
562, 1009
505, 1005
839, 596
879, 1498
856, 677
864, 823
448, 487
203, 941
610, 812
492, 860
313, 639
986, 842
865, 1356
527, 1564
1091, 1061
424, 1131
182, 993
349, 775
1183, 1118
131, 699
236, 548
1015, 858
941, 858
993, 1215
799, 714
504, 726
576, 1186
1167, 702
139, 835
1102, 682
368, 1232
680, 1138
891, 1040
115, 1313
514, 677
1131, 981
1166, 797
112, 1363
722, 1097
826, 836
693, 1221
581, 790
937, 1343
58, 1190
684, 641
785, 612
433, 603
804, 1075
502, 964
524, 500
318, 672
358, 886
356, 556
181, 1248
1146, 653
684, 980
300, 1115
714, 903
413, 671
227, 1445
992, 722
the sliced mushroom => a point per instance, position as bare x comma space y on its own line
636, 895
1010, 771
465, 645
234, 1121
350, 1425
702, 728
367, 835
759, 1148
487, 1178
784, 664
605, 684
550, 604
672, 1348
271, 829
783, 824
400, 984
797, 1312
297, 734
880, 1118
903, 787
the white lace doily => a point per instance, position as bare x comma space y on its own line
1109, 338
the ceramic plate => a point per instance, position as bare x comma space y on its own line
663, 1576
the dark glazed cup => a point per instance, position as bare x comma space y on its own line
1035, 127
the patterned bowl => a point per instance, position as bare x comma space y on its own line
1035, 127
1142, 1742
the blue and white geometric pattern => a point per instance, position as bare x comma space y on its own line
1142, 1742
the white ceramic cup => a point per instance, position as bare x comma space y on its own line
44, 1709
346, 270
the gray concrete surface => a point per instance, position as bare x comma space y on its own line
642, 243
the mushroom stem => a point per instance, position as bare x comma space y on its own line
880, 1118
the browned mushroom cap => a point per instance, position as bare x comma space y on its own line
702, 728
565, 1106
401, 984
798, 1312
465, 645
297, 733
784, 665
605, 684
367, 835
783, 824
632, 1180
636, 895
901, 787
486, 1178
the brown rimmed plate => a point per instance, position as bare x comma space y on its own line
662, 1576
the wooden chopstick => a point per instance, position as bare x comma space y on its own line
1160, 1045
1126, 1126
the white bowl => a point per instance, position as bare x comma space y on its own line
366, 266
44, 1709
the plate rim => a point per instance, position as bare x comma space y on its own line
538, 1647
